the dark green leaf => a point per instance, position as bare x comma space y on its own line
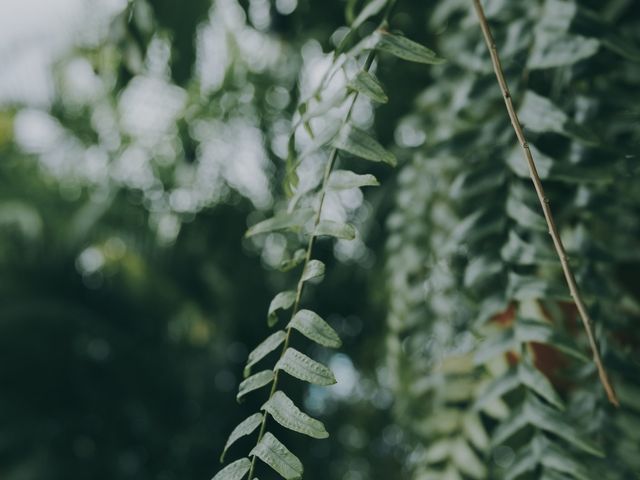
406, 49
366, 84
537, 382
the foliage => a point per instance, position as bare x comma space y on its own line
135, 310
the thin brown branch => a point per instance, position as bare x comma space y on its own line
544, 202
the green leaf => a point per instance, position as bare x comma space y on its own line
234, 471
371, 9
520, 252
497, 388
360, 144
553, 50
284, 411
525, 215
406, 49
366, 84
313, 269
282, 301
345, 179
496, 344
267, 346
556, 458
545, 418
467, 461
296, 259
516, 422
278, 457
535, 380
475, 431
539, 114
343, 231
312, 326
529, 330
300, 366
254, 382
282, 221
244, 428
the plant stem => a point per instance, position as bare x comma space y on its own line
296, 305
544, 202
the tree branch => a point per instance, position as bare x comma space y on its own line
544, 202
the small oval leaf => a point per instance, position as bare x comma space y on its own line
296, 259
244, 428
284, 411
282, 221
267, 346
312, 326
282, 301
254, 382
278, 457
406, 49
343, 231
345, 179
357, 142
234, 471
366, 84
300, 366
313, 269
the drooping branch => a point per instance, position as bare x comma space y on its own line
544, 202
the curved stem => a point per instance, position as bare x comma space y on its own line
544, 202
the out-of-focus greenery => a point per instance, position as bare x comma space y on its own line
129, 298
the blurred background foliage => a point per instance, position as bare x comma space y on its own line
137, 142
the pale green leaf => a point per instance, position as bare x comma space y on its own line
366, 84
467, 461
360, 144
284, 411
278, 457
244, 428
406, 49
313, 269
296, 259
553, 50
267, 346
372, 8
524, 215
475, 431
254, 382
535, 380
234, 471
312, 326
282, 221
345, 179
300, 366
343, 231
282, 301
